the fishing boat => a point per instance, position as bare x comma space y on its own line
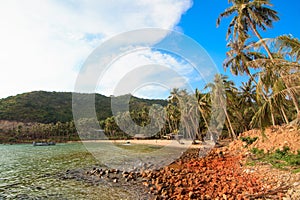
43, 143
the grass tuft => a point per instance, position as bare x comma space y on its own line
281, 158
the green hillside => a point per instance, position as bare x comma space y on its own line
52, 107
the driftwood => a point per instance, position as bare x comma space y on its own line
269, 193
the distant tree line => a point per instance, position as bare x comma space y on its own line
28, 132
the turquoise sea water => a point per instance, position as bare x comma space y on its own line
28, 172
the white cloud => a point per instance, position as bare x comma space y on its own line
146, 73
43, 42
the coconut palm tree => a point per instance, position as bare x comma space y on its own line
173, 109
221, 89
287, 71
203, 106
290, 46
174, 95
280, 100
189, 114
254, 15
249, 15
244, 105
264, 88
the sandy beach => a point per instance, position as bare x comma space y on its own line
170, 143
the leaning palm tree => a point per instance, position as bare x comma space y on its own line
249, 15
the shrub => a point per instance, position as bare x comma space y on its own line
249, 140
257, 151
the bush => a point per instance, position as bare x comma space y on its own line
249, 140
257, 151
284, 152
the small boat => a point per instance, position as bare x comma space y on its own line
43, 143
127, 143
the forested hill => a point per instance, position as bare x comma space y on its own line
48, 107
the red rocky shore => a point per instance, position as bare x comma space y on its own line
219, 175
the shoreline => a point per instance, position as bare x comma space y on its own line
219, 174
152, 142
158, 142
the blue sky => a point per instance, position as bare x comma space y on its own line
199, 22
44, 44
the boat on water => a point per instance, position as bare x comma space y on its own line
43, 143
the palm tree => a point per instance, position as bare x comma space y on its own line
189, 114
290, 46
280, 100
173, 109
174, 95
203, 107
264, 87
277, 68
220, 92
249, 14
237, 58
245, 104
110, 126
277, 101
254, 15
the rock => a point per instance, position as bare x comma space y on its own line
296, 184
115, 180
159, 187
102, 173
145, 183
286, 198
191, 194
144, 174
38, 187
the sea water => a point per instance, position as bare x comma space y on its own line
32, 172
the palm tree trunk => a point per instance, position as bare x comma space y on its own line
230, 125
284, 115
202, 114
195, 127
229, 132
272, 116
260, 38
169, 123
294, 99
